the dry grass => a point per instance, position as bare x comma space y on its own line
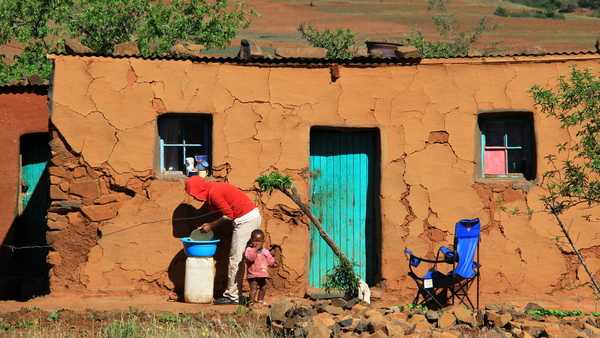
36, 323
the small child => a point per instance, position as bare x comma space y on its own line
259, 260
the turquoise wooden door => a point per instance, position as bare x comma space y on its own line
342, 166
33, 204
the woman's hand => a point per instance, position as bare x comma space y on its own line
206, 227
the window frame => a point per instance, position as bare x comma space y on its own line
206, 139
528, 144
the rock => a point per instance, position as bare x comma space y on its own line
321, 305
345, 322
407, 52
86, 189
189, 50
432, 316
106, 199
308, 52
74, 47
278, 312
446, 320
34, 80
57, 225
474, 53
363, 52
98, 213
452, 322
334, 310
323, 318
463, 315
319, 331
395, 330
423, 328
62, 207
126, 48
532, 306
502, 319
302, 311
351, 303
249, 49
56, 193
536, 50
339, 302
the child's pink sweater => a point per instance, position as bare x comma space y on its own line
258, 262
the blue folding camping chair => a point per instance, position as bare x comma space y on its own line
438, 289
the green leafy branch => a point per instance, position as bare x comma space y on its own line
338, 43
342, 275
574, 180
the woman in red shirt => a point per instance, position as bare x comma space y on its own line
237, 209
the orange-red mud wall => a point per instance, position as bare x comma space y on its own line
23, 110
111, 204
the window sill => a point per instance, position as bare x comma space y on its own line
170, 177
517, 182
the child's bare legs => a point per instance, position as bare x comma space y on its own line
262, 284
253, 288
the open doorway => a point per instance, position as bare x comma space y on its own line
26, 274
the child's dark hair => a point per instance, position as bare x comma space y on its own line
258, 231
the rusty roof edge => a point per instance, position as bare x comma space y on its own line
358, 61
22, 88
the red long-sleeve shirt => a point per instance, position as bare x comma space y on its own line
227, 198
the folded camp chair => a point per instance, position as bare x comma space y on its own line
438, 289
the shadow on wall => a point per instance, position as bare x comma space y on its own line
187, 218
24, 271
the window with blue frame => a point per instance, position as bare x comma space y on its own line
507, 147
181, 137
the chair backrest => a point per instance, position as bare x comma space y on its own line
466, 239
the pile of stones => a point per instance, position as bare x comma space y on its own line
339, 318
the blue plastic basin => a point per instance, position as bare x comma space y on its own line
199, 248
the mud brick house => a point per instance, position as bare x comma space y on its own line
24, 183
388, 151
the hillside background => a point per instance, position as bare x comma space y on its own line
389, 20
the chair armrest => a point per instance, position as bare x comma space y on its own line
415, 261
449, 255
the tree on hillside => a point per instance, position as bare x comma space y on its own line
447, 26
100, 24
575, 179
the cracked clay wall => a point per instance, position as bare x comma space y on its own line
110, 216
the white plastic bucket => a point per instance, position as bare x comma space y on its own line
199, 280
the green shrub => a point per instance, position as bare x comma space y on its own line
555, 313
342, 278
337, 43
501, 11
527, 13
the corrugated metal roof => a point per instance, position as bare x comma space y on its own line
22, 87
356, 61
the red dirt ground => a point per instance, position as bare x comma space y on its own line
123, 302
391, 19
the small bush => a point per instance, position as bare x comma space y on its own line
337, 43
342, 278
525, 13
501, 11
